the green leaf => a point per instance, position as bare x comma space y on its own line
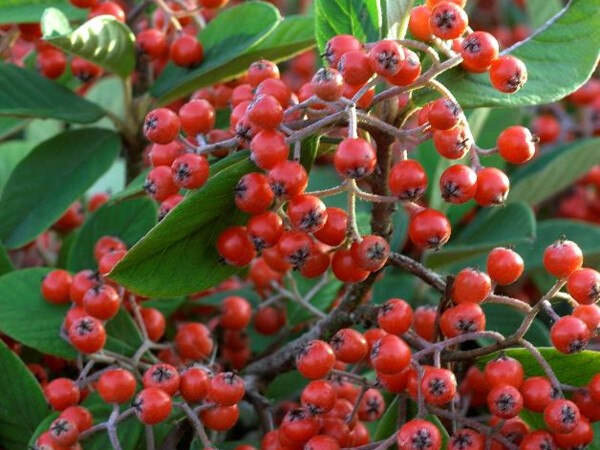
540, 11
50, 179
510, 224
285, 384
506, 320
24, 93
397, 13
360, 18
167, 306
128, 220
30, 11
134, 189
20, 301
576, 369
388, 422
178, 256
11, 153
297, 314
309, 147
102, 40
6, 264
23, 402
559, 59
108, 93
10, 126
224, 40
556, 171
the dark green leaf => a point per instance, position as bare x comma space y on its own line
122, 335
576, 369
388, 424
167, 306
556, 171
360, 18
284, 385
102, 40
134, 189
506, 321
559, 59
24, 93
6, 264
23, 403
20, 301
50, 179
29, 11
309, 148
128, 220
178, 256
224, 40
10, 125
510, 224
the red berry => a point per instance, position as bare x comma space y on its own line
462, 319
265, 112
418, 23
516, 145
318, 397
503, 370
307, 213
109, 261
335, 228
193, 341
220, 418
235, 246
407, 179
262, 70
152, 406
116, 386
186, 51
346, 269
194, 384
288, 179
107, 8
453, 143
51, 63
322, 442
561, 416
236, 313
298, 426
349, 346
547, 128
102, 302
538, 440
590, 315
438, 386
508, 74
386, 58
458, 184
390, 355
448, 20
87, 335
419, 434
479, 50
371, 253
226, 389
354, 158
429, 228
466, 439
328, 84
315, 360
580, 437
504, 266
269, 320
162, 376
85, 70
276, 88
108, 244
492, 187
395, 316
253, 194
159, 183
444, 114
56, 287
63, 432
265, 229
164, 155
471, 286
79, 416
537, 393
190, 171
569, 335
354, 67
372, 406
161, 126
584, 286
295, 247
268, 148
338, 46
505, 401
197, 117
152, 43
411, 69
562, 258
61, 393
